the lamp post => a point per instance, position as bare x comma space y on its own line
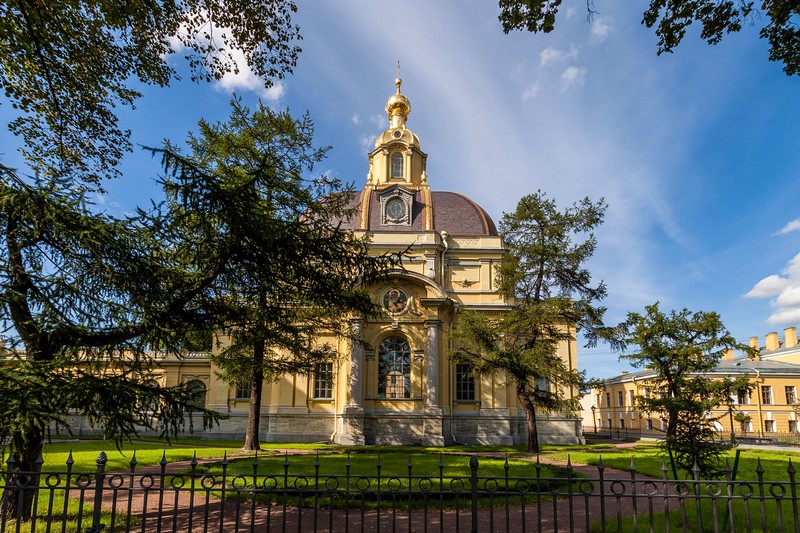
594, 419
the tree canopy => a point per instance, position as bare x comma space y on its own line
672, 18
682, 348
552, 294
295, 275
67, 65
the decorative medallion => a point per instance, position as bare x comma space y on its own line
397, 134
395, 300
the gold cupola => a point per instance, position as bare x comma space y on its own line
397, 158
398, 108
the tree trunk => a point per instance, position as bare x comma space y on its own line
20, 490
251, 441
530, 418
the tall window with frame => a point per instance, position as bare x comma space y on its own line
766, 394
394, 368
397, 165
465, 383
242, 391
323, 381
743, 397
791, 395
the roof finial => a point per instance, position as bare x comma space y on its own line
398, 82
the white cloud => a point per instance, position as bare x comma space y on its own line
366, 143
355, 119
572, 77
600, 29
554, 55
769, 286
794, 225
531, 91
786, 290
244, 79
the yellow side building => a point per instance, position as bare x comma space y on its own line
770, 410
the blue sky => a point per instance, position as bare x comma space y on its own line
695, 152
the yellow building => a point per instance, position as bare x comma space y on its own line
399, 387
770, 410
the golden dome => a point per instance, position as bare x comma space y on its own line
398, 107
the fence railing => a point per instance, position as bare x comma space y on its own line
189, 497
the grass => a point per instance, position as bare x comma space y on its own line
425, 464
434, 479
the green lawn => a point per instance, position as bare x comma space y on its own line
425, 462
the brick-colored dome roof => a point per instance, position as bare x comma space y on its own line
454, 213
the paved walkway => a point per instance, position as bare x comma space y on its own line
200, 511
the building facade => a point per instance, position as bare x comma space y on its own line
772, 408
398, 386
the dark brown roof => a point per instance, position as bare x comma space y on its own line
454, 213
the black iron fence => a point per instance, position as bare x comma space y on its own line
189, 497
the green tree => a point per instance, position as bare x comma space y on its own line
544, 276
248, 178
85, 297
671, 19
682, 347
68, 65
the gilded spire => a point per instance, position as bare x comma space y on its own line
398, 107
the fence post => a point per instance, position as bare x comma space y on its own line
99, 481
473, 482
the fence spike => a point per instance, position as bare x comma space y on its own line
632, 467
506, 465
790, 469
600, 463
410, 464
759, 468
728, 469
347, 464
194, 461
441, 460
569, 464
70, 460
379, 460
40, 460
316, 461
133, 462
163, 458
11, 459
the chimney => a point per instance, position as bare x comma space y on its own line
728, 355
754, 343
790, 337
772, 341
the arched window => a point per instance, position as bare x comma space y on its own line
198, 391
394, 368
397, 165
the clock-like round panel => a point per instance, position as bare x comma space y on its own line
396, 209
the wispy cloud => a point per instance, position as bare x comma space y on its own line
794, 225
600, 29
531, 91
572, 77
552, 55
355, 119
